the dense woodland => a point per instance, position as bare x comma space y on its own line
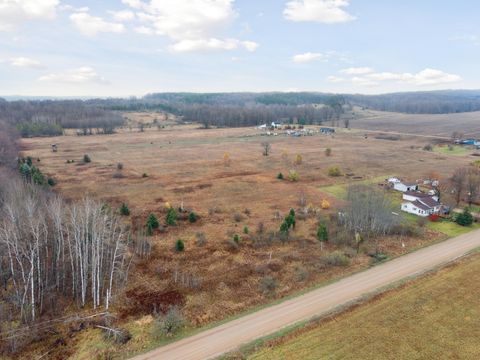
427, 102
53, 254
50, 117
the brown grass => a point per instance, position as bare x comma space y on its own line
434, 317
186, 165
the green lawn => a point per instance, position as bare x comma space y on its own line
340, 190
454, 150
435, 317
451, 228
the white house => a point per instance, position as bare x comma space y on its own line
417, 195
424, 207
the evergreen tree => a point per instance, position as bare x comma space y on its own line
124, 210
172, 217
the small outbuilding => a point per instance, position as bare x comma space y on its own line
327, 131
402, 186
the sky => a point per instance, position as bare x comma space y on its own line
134, 47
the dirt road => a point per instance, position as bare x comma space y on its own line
216, 341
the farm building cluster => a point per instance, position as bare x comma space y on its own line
292, 130
417, 202
474, 142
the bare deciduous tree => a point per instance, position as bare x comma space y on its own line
369, 213
458, 181
472, 185
56, 249
266, 148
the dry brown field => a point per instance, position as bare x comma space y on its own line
186, 165
425, 124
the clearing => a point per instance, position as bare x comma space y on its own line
222, 176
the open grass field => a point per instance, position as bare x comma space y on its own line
222, 176
433, 317
442, 125
454, 150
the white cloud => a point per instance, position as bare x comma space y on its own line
84, 74
425, 77
14, 12
307, 57
363, 82
335, 79
192, 25
26, 63
212, 44
366, 77
357, 71
92, 25
144, 30
324, 11
123, 15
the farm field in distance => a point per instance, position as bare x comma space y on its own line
223, 177
423, 124
433, 317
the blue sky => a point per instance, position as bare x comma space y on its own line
133, 47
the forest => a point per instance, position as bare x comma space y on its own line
50, 117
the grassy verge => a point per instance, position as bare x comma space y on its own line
453, 150
435, 316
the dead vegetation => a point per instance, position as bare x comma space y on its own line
224, 269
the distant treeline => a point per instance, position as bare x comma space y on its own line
50, 117
428, 102
236, 109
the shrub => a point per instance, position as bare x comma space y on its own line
201, 240
237, 217
336, 258
119, 166
236, 238
434, 218
245, 229
293, 176
298, 159
280, 176
51, 182
334, 171
172, 217
301, 274
328, 152
226, 159
144, 175
119, 336
179, 245
169, 324
421, 222
268, 285
86, 158
325, 204
465, 218
124, 210
379, 257
428, 147
192, 217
